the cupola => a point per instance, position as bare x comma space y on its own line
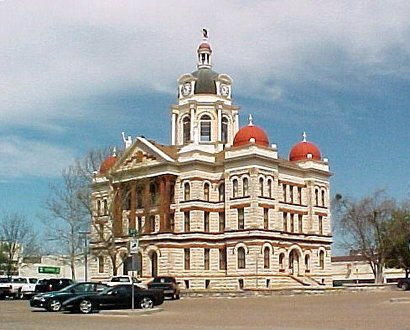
304, 150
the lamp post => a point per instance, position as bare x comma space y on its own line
85, 234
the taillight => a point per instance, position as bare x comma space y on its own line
50, 287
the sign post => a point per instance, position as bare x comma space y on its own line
133, 250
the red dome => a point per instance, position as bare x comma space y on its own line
204, 46
107, 164
301, 150
251, 134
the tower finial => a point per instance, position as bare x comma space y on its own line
204, 34
114, 152
250, 120
304, 135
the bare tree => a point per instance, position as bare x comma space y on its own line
17, 240
364, 225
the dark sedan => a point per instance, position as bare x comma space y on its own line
117, 297
52, 301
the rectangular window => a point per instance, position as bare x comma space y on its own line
300, 195
241, 219
206, 259
222, 259
172, 222
139, 224
187, 220
101, 230
101, 264
292, 223
265, 218
187, 259
285, 221
320, 225
291, 193
284, 192
206, 221
300, 222
221, 221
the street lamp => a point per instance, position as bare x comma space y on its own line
85, 234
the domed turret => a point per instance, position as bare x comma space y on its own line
304, 150
108, 163
251, 134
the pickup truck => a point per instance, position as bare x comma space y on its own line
122, 279
23, 287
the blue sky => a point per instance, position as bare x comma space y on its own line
75, 74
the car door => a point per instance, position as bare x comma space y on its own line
118, 297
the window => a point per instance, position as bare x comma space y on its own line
316, 197
320, 225
221, 190
224, 130
205, 128
172, 193
241, 258
187, 259
300, 223
187, 191
300, 195
152, 223
270, 188
101, 230
105, 207
186, 128
285, 221
245, 187
98, 207
291, 193
206, 259
222, 259
265, 218
266, 257
323, 198
284, 193
292, 223
322, 260
139, 224
206, 191
139, 197
261, 187
206, 221
282, 261
187, 220
221, 221
241, 219
172, 222
307, 262
235, 188
101, 264
153, 193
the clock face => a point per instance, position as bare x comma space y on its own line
186, 89
224, 90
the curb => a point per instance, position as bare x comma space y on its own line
130, 312
399, 300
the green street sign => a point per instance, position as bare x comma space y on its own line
49, 270
132, 232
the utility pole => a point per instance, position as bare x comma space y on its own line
85, 234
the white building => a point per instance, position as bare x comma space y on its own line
217, 208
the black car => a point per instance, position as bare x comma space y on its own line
403, 284
166, 283
52, 301
116, 297
52, 284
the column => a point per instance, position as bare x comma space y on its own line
193, 121
173, 128
219, 124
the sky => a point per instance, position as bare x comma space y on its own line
75, 74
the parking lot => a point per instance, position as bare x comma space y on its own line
361, 310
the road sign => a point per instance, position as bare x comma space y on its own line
49, 270
134, 245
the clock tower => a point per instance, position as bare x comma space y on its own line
204, 114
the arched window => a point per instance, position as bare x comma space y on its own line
224, 130
186, 129
282, 261
101, 264
98, 207
245, 187
323, 198
316, 197
241, 258
105, 207
221, 190
269, 188
187, 191
266, 257
235, 188
205, 128
206, 191
261, 187
322, 260
307, 262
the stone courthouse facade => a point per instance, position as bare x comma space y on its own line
217, 208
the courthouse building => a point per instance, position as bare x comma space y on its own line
217, 207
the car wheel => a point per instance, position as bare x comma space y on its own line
85, 306
54, 305
404, 286
146, 302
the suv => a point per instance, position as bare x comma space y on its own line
166, 283
52, 284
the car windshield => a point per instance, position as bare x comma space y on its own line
68, 288
162, 280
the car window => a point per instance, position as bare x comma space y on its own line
18, 280
33, 280
100, 287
